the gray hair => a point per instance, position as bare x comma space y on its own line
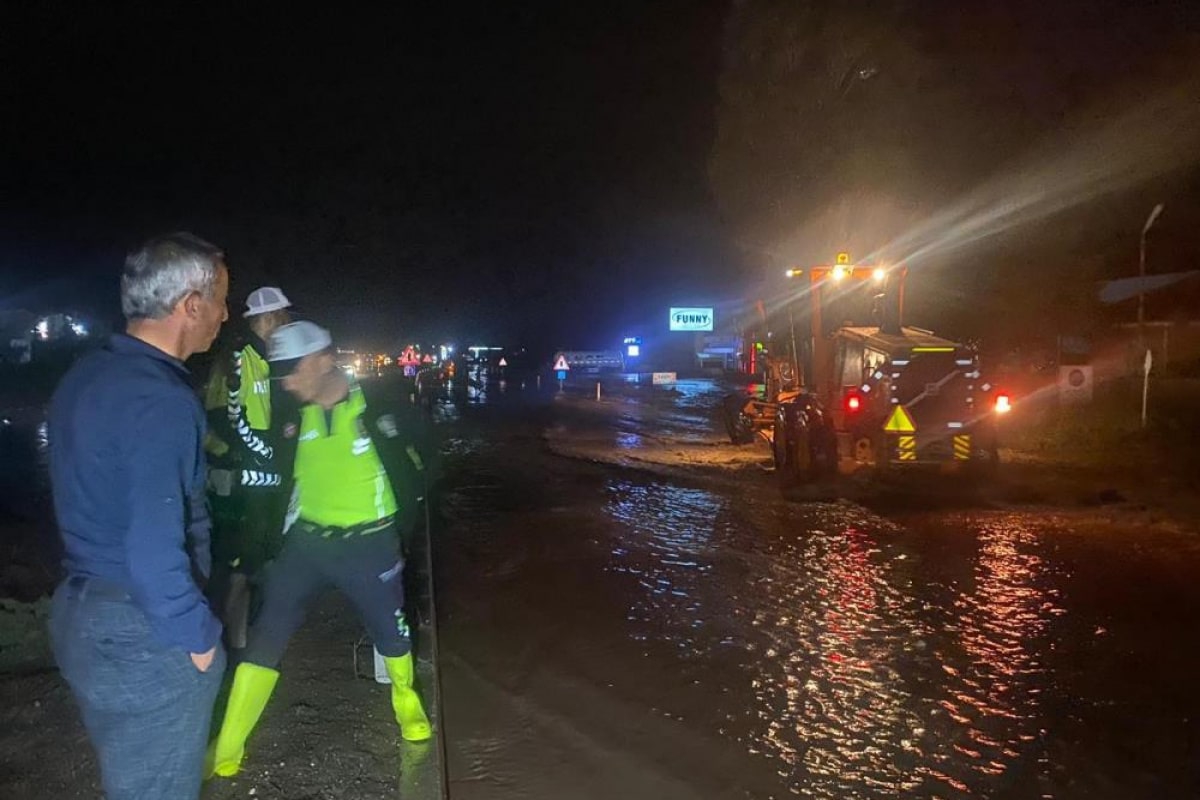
165, 270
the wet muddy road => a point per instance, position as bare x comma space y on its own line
628, 607
612, 632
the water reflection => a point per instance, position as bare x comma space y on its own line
671, 528
697, 390
629, 441
861, 676
832, 700
994, 678
680, 412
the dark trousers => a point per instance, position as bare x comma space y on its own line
365, 567
247, 528
145, 706
247, 533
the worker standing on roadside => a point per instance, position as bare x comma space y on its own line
246, 478
349, 501
132, 633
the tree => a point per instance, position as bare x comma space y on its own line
830, 127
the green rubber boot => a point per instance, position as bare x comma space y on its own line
414, 725
252, 687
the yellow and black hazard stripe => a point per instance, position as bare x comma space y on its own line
906, 446
962, 447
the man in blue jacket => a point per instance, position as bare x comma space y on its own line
131, 630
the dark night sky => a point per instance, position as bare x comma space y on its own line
531, 173
501, 172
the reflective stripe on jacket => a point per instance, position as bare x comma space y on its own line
340, 478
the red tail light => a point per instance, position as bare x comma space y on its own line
853, 403
1003, 403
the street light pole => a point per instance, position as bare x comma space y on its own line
1141, 317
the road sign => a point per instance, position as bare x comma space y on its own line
503, 361
561, 375
1075, 383
561, 365
900, 422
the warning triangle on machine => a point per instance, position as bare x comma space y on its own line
900, 422
561, 363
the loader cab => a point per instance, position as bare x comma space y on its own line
909, 396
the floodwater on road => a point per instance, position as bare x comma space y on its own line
609, 632
606, 630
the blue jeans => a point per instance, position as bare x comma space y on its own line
145, 706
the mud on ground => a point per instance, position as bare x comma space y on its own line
324, 734
327, 735
1134, 490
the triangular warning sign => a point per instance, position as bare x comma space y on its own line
503, 361
900, 422
561, 364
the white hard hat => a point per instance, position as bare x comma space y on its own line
292, 342
268, 298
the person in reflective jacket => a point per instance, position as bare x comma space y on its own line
246, 474
348, 503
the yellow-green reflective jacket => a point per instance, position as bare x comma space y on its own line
254, 388
340, 478
243, 389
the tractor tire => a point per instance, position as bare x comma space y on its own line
739, 429
808, 457
797, 459
779, 446
823, 452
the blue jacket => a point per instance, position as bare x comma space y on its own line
127, 469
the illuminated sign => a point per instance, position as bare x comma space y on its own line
633, 350
691, 319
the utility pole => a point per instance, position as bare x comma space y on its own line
1141, 317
